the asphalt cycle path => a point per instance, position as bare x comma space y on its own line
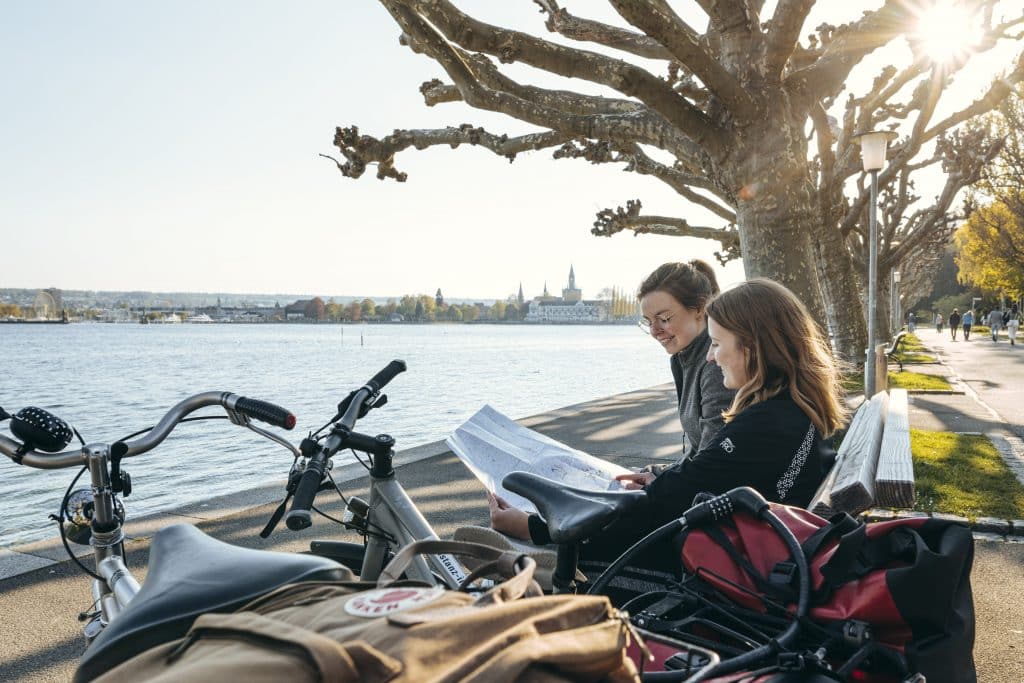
993, 372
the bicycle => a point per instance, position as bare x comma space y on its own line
182, 559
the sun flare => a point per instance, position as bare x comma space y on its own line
945, 31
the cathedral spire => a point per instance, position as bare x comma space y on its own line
572, 278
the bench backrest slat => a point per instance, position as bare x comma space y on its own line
895, 476
850, 485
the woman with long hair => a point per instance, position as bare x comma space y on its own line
775, 438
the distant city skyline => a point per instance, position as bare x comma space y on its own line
208, 298
553, 285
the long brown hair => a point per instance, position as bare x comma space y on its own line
692, 284
786, 350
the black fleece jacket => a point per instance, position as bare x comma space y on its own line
771, 446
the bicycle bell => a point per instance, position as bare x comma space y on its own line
41, 430
78, 512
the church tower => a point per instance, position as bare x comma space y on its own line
571, 294
520, 298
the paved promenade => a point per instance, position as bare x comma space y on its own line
41, 597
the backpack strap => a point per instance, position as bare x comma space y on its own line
770, 586
857, 555
839, 524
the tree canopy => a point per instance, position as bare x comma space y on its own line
743, 112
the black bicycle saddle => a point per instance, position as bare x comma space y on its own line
191, 573
572, 514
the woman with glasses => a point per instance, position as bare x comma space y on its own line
673, 300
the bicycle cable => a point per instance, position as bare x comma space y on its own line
186, 419
380, 531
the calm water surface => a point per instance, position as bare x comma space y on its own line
111, 380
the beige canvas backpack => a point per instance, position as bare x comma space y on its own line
401, 632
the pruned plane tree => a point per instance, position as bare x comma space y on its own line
746, 108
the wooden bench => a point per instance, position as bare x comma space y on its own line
895, 351
873, 466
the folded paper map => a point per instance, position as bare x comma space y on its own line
492, 445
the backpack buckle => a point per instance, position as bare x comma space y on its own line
782, 574
856, 633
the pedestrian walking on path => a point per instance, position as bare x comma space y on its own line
1012, 323
968, 322
954, 322
939, 320
995, 322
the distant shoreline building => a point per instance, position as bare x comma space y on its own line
569, 308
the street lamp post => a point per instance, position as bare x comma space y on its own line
873, 146
897, 312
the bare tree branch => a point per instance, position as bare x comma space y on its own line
999, 90
660, 22
728, 16
561, 22
612, 221
625, 128
512, 46
783, 34
362, 150
826, 77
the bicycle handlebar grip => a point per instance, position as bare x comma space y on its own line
386, 375
265, 412
299, 517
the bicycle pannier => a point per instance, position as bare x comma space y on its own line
903, 585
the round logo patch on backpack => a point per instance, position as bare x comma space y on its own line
377, 603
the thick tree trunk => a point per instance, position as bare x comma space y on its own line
775, 209
842, 292
774, 240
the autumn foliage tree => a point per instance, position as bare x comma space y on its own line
990, 252
741, 110
990, 245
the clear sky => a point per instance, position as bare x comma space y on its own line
173, 146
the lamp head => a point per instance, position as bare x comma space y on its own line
873, 144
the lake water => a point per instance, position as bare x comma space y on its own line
111, 380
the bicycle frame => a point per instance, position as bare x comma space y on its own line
392, 510
391, 517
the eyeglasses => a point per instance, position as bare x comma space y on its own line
662, 321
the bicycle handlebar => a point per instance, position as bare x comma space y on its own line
254, 408
299, 516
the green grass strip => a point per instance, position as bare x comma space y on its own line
912, 357
963, 475
911, 342
853, 383
918, 381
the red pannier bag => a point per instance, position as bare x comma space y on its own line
904, 584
